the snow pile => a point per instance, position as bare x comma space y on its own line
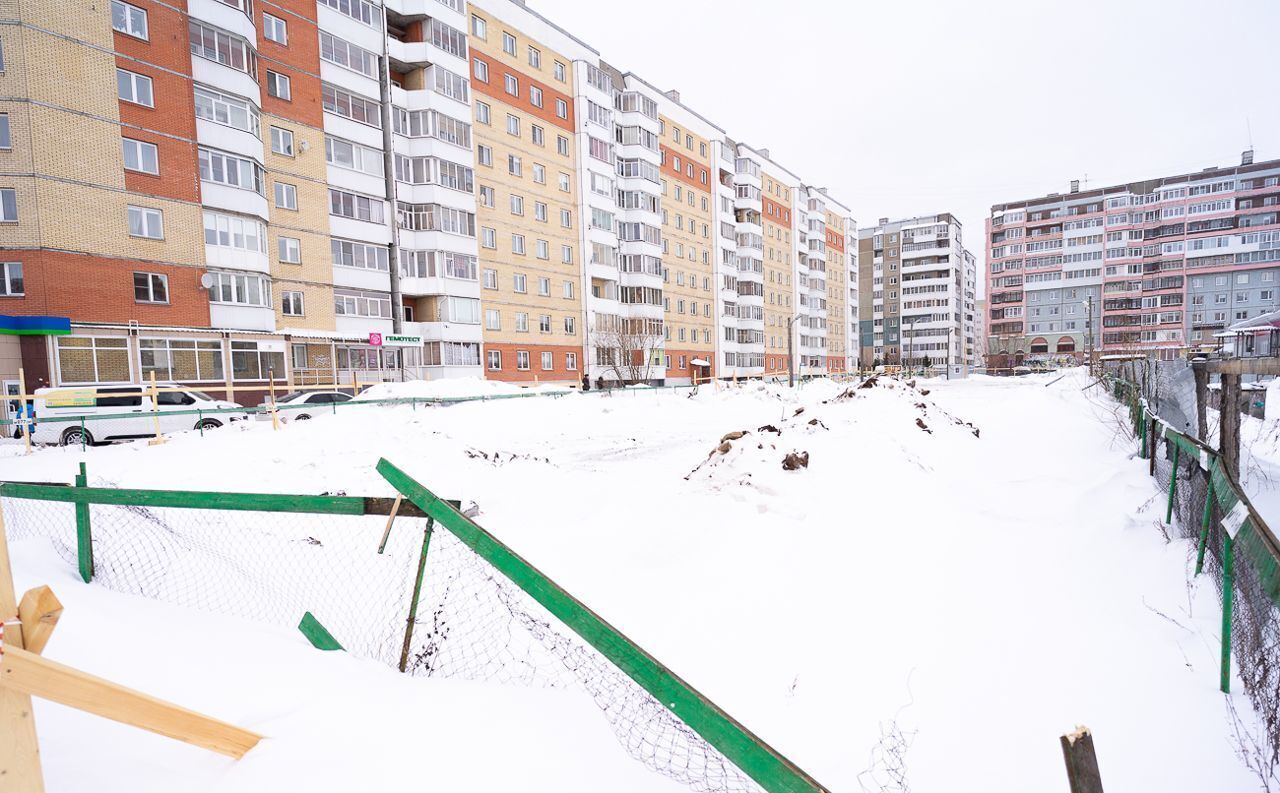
910, 588
454, 388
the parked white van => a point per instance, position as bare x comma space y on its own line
123, 412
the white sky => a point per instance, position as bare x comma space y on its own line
937, 105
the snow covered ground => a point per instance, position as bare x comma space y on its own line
988, 590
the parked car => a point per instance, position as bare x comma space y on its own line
102, 414
302, 405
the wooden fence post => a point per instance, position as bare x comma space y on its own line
1202, 399
1229, 425
1082, 762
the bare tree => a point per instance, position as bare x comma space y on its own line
627, 347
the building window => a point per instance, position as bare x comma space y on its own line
275, 29
571, 361
134, 88
566, 218
355, 206
517, 244
286, 195
483, 113
240, 289
539, 173
535, 96
478, 27
222, 47
141, 156
484, 155
566, 254
227, 109
282, 141
511, 84
146, 222
89, 359
495, 360
488, 238
11, 279
181, 359
292, 304
480, 70
129, 19
251, 360
290, 250
508, 43
487, 196
543, 249
548, 361
150, 288
562, 108
560, 71
490, 279
514, 165
535, 58
230, 170
568, 289
538, 135
513, 125
278, 86
522, 360
569, 326
562, 145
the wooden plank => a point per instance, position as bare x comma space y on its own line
1239, 366
8, 596
391, 518
32, 674
39, 611
1082, 762
748, 752
1201, 375
19, 746
1229, 425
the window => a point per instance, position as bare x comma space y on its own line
282, 141
353, 156
144, 222
488, 238
566, 218
355, 206
568, 289
483, 113
522, 360
492, 319
150, 288
228, 169
514, 165
138, 155
548, 361
286, 195
344, 53
564, 182
278, 86
495, 360
244, 289
562, 145
290, 249
234, 231
484, 155
540, 211
449, 39
539, 173
569, 327
513, 125
522, 322
566, 254
562, 108
255, 360
535, 96
517, 204
129, 19
517, 244
356, 108
134, 88
511, 84
355, 303
275, 29
226, 109
490, 279
89, 359
487, 196
222, 47
571, 361
544, 286
359, 10
508, 43
478, 27
291, 304
560, 71
446, 83
538, 134
181, 359
11, 279
535, 58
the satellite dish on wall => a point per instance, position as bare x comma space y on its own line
206, 280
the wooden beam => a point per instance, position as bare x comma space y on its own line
1229, 425
27, 673
1202, 399
39, 610
1082, 762
1239, 366
8, 597
19, 747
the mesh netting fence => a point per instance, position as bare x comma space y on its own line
1201, 505
471, 621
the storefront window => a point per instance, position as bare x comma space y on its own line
92, 359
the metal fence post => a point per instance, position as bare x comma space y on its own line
84, 534
1173, 482
1228, 583
417, 591
1204, 524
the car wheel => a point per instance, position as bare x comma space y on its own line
75, 436
208, 424
303, 417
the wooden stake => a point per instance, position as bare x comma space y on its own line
39, 611
28, 673
19, 750
1082, 762
22, 406
391, 516
271, 385
155, 411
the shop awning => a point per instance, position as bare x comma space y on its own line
34, 326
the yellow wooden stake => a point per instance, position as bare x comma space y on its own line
271, 384
155, 412
19, 750
22, 408
39, 611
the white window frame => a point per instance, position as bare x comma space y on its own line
297, 300
282, 141
279, 86
135, 80
146, 216
10, 274
128, 24
271, 24
139, 148
287, 192
289, 250
153, 280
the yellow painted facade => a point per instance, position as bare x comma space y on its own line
689, 255
779, 291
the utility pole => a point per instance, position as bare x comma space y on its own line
1088, 329
791, 355
389, 183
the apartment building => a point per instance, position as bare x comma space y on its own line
919, 292
1154, 267
311, 191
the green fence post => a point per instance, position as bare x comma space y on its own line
84, 534
1228, 577
200, 421
417, 591
82, 443
1173, 483
1204, 524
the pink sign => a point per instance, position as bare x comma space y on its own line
375, 339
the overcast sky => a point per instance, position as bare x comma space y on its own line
910, 108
